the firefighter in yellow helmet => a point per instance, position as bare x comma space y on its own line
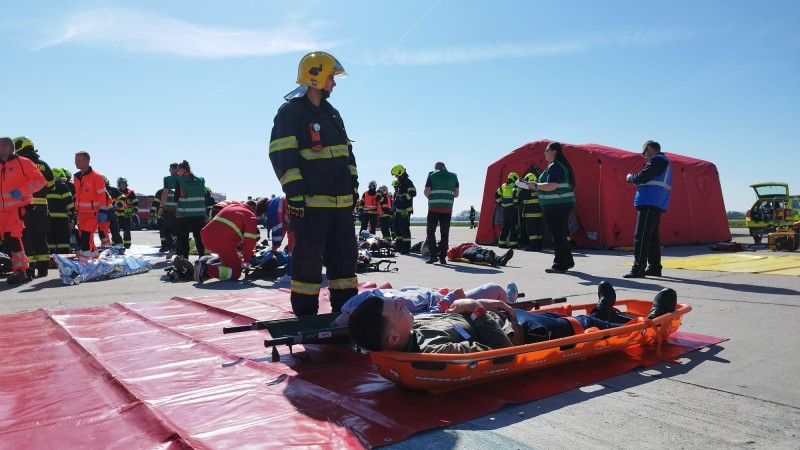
531, 215
313, 159
37, 222
404, 207
507, 195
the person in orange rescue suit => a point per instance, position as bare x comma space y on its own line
234, 227
91, 203
127, 206
37, 223
531, 215
404, 207
19, 179
385, 211
109, 230
369, 208
313, 158
61, 206
507, 195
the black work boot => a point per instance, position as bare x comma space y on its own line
665, 302
652, 272
431, 260
503, 260
606, 297
18, 277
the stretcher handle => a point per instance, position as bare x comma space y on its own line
538, 303
284, 340
251, 327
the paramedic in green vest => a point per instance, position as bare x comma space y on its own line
556, 188
653, 187
167, 209
507, 195
190, 213
441, 189
531, 215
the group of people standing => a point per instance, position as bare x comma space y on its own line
42, 209
551, 197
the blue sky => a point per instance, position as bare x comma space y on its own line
139, 84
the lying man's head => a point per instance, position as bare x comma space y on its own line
380, 324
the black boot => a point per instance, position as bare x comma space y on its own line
431, 260
503, 260
605, 304
665, 302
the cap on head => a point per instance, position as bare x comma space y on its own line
316, 67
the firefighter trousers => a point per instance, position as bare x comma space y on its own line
508, 234
402, 224
329, 238
34, 236
58, 239
125, 228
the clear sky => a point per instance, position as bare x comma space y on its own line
140, 84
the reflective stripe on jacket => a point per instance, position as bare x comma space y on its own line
312, 156
656, 191
443, 191
18, 172
563, 195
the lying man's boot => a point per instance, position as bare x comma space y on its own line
503, 260
199, 270
605, 304
665, 302
184, 268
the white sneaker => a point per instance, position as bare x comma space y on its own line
284, 279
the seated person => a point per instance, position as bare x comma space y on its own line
420, 300
472, 253
476, 325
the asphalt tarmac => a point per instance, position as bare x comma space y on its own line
742, 393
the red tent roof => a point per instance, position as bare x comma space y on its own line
604, 207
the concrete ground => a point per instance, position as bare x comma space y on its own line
742, 393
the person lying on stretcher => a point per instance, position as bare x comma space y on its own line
420, 300
477, 325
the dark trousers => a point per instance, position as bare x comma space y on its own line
369, 221
509, 230
193, 225
58, 238
169, 228
326, 238
539, 327
386, 226
402, 227
558, 222
125, 227
34, 236
533, 227
646, 240
442, 220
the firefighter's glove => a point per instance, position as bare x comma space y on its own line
15, 193
102, 217
296, 208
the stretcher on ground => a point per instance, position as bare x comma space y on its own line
441, 373
444, 372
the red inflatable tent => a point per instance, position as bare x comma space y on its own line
604, 209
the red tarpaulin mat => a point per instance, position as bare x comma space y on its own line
162, 375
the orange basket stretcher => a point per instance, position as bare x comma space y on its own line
437, 373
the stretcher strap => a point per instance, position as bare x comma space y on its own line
650, 323
577, 328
